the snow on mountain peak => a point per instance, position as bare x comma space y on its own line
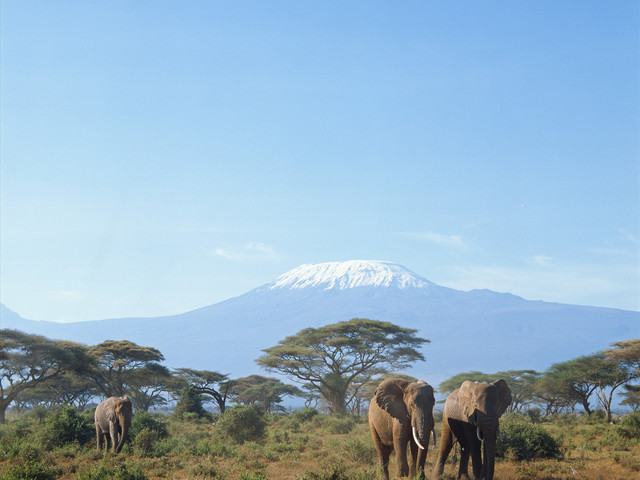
351, 274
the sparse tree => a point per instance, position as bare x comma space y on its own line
265, 393
330, 358
121, 367
554, 393
147, 386
27, 360
206, 382
631, 397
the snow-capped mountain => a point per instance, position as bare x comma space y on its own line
350, 274
476, 330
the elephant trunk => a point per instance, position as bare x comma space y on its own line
489, 457
488, 435
124, 431
420, 430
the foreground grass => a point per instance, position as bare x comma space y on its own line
303, 446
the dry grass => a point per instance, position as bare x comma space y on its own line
315, 450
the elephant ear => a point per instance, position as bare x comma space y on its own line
466, 400
504, 396
110, 410
389, 395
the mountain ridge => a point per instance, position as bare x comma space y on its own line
475, 330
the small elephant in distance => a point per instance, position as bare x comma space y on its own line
401, 414
471, 415
113, 419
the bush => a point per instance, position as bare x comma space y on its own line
341, 424
145, 420
30, 470
190, 402
242, 424
104, 472
67, 425
305, 415
525, 441
629, 426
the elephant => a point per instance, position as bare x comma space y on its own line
471, 415
401, 413
113, 418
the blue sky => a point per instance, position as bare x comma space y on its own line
158, 157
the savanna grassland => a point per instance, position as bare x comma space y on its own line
306, 445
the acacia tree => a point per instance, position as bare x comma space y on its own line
264, 392
330, 359
205, 382
121, 367
621, 365
27, 360
146, 386
580, 378
631, 397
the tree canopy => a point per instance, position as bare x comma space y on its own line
205, 382
330, 359
27, 360
262, 392
122, 367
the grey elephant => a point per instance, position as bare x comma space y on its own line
113, 418
401, 414
470, 416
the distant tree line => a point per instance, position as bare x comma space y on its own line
337, 367
39, 371
573, 384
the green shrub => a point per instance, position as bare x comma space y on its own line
67, 425
242, 423
30, 470
305, 415
525, 441
147, 430
190, 402
119, 472
629, 426
341, 424
145, 420
357, 451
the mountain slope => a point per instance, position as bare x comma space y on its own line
476, 330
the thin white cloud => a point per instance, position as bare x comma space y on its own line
66, 295
444, 240
542, 260
249, 251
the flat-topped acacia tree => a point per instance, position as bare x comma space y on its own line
330, 359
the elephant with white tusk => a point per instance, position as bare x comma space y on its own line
471, 415
401, 414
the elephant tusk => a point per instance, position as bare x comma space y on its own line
415, 438
479, 433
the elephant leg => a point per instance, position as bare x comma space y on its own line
413, 459
418, 458
476, 456
447, 441
463, 468
384, 452
401, 457
99, 437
